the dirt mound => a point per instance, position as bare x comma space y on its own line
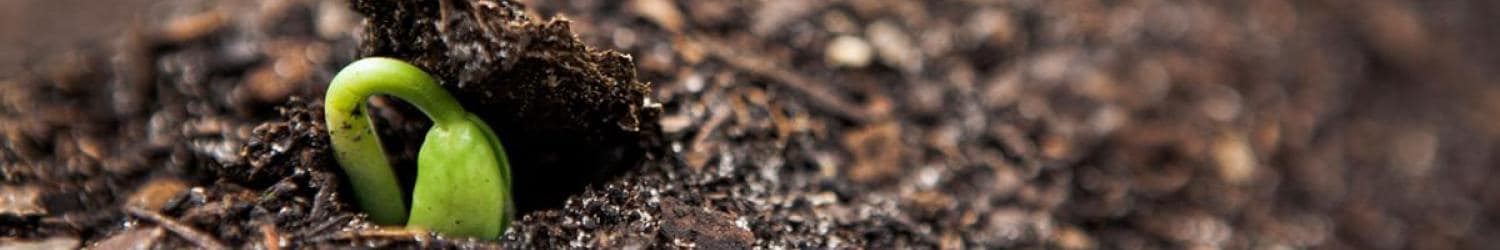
569, 114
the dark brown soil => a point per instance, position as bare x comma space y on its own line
789, 124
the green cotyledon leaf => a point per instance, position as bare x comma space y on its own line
461, 187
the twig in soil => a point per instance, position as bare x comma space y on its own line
417, 235
698, 156
821, 97
322, 227
187, 232
270, 238
325, 192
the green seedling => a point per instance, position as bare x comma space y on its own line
463, 176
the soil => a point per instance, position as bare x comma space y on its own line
879, 124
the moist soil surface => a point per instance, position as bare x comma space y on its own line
880, 124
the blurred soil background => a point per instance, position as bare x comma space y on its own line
31, 30
885, 124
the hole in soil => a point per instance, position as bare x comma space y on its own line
546, 168
550, 166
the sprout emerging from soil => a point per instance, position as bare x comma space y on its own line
463, 176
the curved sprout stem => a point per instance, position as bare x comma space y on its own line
355, 142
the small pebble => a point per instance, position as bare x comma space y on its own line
849, 51
155, 194
1235, 160
661, 12
894, 46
